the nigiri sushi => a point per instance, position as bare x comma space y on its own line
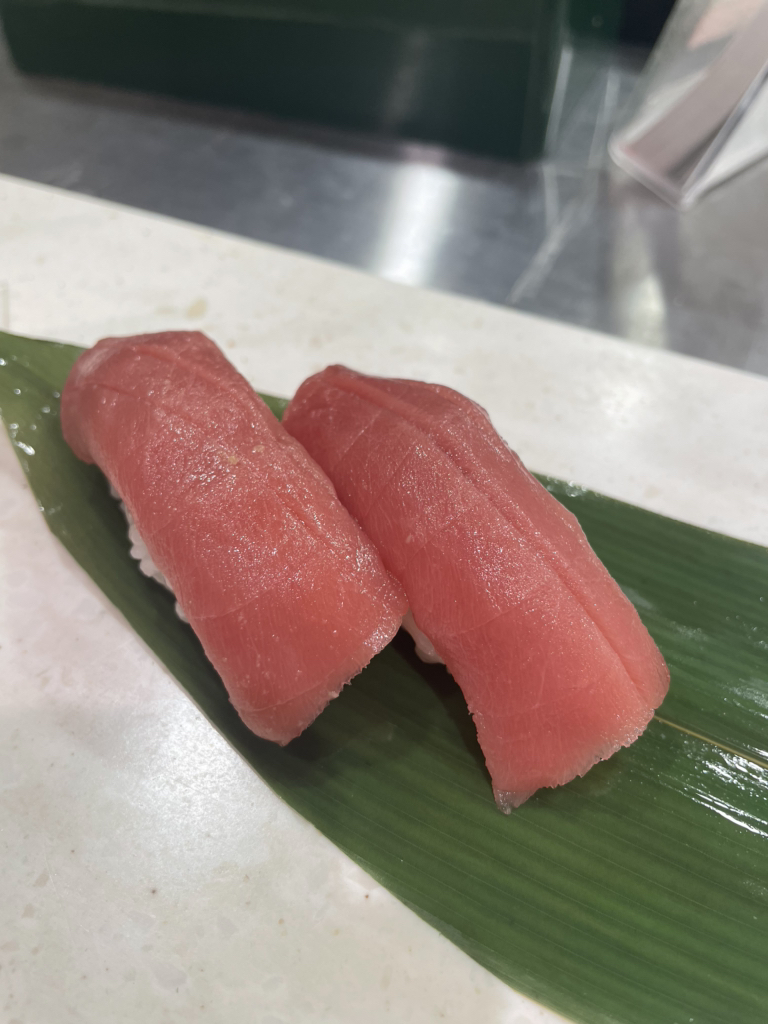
557, 669
288, 597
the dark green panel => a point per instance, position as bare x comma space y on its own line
598, 19
522, 18
478, 80
636, 895
638, 22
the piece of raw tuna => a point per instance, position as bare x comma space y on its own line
287, 595
554, 662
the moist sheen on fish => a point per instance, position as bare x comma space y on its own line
287, 595
557, 669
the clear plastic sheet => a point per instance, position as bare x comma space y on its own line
700, 111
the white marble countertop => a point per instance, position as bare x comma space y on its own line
148, 873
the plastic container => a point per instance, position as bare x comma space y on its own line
475, 75
699, 113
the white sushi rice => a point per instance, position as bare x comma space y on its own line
424, 647
140, 552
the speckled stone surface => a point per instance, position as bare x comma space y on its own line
148, 874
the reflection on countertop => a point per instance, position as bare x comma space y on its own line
569, 237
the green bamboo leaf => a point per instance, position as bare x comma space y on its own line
638, 894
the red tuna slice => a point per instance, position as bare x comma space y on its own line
288, 596
553, 660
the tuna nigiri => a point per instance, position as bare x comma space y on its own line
553, 660
288, 597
